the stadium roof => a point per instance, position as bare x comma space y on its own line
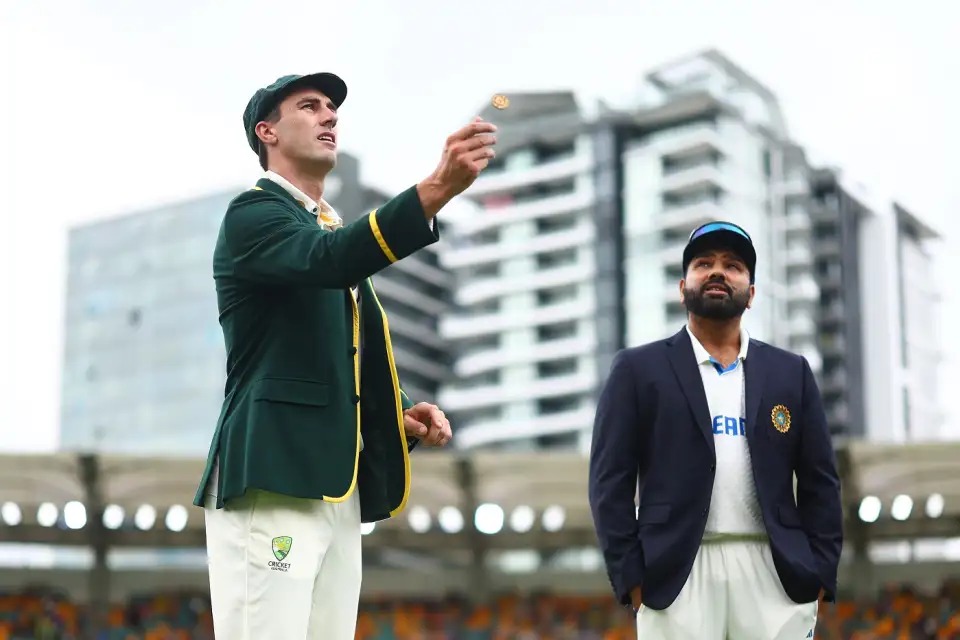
540, 498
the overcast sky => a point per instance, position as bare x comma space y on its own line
113, 105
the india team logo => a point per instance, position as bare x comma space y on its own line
781, 418
281, 546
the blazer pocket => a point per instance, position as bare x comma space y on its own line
789, 517
653, 514
307, 392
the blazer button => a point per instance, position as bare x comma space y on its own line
713, 467
356, 399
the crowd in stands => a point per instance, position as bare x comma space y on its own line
898, 613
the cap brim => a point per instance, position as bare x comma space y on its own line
329, 84
725, 239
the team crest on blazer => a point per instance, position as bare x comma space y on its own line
781, 418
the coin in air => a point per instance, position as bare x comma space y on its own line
500, 101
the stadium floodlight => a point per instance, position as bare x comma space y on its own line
75, 515
176, 519
553, 518
47, 514
450, 519
935, 506
11, 514
419, 519
113, 516
366, 528
901, 507
522, 518
488, 518
870, 509
145, 517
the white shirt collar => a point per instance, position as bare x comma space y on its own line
326, 214
703, 357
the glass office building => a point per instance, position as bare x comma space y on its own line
144, 361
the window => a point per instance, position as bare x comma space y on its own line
548, 406
554, 368
556, 331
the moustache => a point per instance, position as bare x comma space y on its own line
716, 283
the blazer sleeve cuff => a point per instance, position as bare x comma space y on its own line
631, 574
400, 226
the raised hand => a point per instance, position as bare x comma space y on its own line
466, 154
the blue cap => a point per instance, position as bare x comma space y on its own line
720, 234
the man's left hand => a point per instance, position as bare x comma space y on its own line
429, 424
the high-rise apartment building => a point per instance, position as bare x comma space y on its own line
144, 360
878, 310
525, 269
576, 251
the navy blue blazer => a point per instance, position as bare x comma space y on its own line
653, 428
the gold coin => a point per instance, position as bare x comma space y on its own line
500, 101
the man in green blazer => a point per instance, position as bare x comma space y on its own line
315, 431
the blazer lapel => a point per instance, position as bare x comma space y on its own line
754, 374
684, 364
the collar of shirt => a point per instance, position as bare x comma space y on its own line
705, 358
326, 215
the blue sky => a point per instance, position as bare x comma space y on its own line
112, 105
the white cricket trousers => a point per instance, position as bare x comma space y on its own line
284, 568
733, 593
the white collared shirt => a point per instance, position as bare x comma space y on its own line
734, 508
326, 215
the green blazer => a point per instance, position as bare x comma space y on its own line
299, 395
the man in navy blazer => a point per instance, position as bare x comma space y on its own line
707, 428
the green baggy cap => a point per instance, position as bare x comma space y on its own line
265, 99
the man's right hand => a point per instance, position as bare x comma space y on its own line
467, 152
636, 598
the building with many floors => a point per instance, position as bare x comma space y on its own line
575, 253
144, 360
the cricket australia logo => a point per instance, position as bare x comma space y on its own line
281, 549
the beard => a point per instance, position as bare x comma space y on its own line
724, 308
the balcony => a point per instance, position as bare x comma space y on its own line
416, 331
455, 327
797, 223
506, 180
798, 255
694, 180
689, 216
484, 433
483, 361
802, 324
582, 198
690, 143
832, 314
828, 247
463, 399
420, 270
582, 234
672, 254
427, 368
803, 289
388, 289
581, 271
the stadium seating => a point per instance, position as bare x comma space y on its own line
899, 613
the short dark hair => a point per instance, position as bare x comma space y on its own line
272, 118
